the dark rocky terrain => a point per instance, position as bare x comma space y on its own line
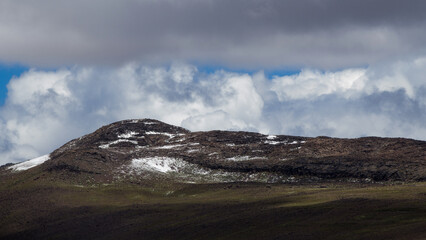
144, 179
141, 149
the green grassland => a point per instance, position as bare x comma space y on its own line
165, 210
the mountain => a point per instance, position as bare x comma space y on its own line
138, 150
145, 179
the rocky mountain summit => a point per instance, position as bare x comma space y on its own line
149, 150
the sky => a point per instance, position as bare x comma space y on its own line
310, 67
7, 72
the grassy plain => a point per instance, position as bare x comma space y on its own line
52, 210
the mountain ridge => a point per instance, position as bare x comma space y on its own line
140, 149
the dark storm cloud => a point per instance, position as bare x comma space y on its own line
249, 33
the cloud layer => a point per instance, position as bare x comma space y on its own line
44, 109
240, 34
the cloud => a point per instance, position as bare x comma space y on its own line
311, 84
253, 34
45, 109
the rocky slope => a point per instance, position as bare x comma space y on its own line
150, 150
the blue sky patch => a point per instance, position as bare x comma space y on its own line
6, 73
269, 73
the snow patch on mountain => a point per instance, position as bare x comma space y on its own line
170, 135
281, 142
164, 165
30, 163
273, 142
127, 135
150, 123
107, 145
170, 146
158, 164
192, 150
245, 158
